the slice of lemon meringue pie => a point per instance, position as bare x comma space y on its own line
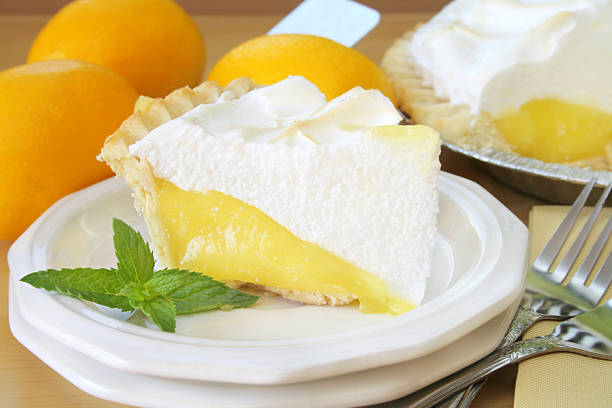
321, 202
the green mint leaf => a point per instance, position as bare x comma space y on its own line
193, 292
95, 285
160, 295
160, 310
135, 260
133, 291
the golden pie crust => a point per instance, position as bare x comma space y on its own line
454, 122
149, 114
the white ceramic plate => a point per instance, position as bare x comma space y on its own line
362, 388
478, 273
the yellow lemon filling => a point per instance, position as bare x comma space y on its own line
555, 131
223, 237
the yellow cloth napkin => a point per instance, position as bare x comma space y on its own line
563, 380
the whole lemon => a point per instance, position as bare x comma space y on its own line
55, 117
152, 43
331, 66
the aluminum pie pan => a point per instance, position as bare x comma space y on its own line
557, 183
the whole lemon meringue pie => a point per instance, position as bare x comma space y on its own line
530, 77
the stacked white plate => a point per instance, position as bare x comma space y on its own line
277, 353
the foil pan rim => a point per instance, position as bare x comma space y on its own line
512, 161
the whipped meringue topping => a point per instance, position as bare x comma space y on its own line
495, 55
292, 111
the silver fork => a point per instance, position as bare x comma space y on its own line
545, 297
588, 334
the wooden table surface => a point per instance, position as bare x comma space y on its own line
27, 382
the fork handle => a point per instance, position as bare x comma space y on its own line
502, 357
523, 319
463, 398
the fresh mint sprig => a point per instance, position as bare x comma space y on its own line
135, 284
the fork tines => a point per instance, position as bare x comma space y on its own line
546, 258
